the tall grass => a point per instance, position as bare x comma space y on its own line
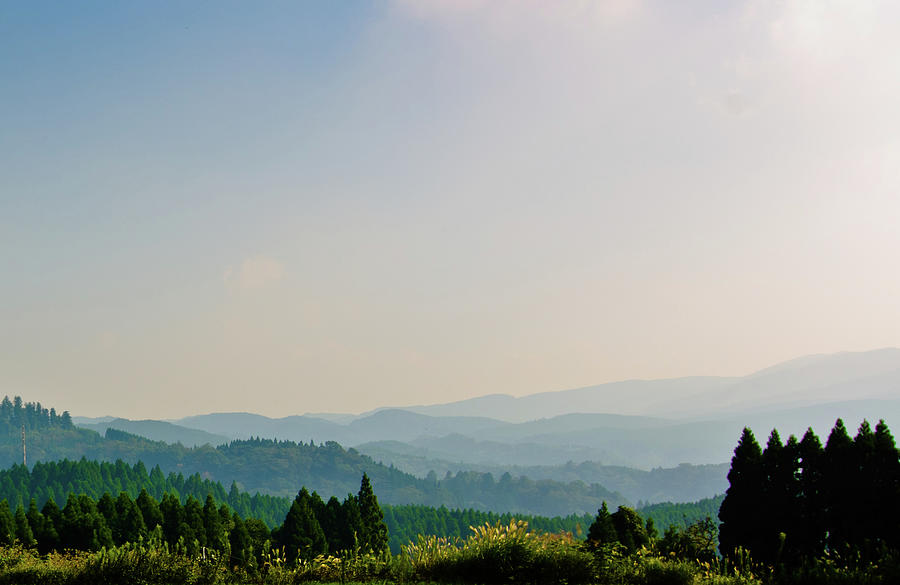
500, 553
492, 554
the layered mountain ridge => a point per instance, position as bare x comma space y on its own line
641, 425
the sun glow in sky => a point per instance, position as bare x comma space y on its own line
287, 207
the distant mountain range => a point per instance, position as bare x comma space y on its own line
805, 381
637, 424
155, 430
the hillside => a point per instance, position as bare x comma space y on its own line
157, 430
641, 424
628, 454
683, 483
278, 467
56, 480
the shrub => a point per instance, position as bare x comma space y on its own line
501, 554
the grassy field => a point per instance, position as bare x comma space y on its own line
491, 555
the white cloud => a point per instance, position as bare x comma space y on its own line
254, 273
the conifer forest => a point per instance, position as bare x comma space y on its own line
795, 511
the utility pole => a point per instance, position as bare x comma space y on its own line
24, 457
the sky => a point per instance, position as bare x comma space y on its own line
290, 207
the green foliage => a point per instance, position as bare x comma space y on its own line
373, 534
140, 563
602, 531
7, 524
23, 529
57, 479
500, 554
493, 554
683, 483
695, 542
14, 414
341, 522
682, 514
82, 527
301, 535
796, 504
624, 528
277, 468
405, 523
629, 529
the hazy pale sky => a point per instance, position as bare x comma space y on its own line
288, 207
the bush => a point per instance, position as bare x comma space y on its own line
658, 572
23, 566
145, 564
500, 554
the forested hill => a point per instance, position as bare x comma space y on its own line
279, 467
16, 415
57, 480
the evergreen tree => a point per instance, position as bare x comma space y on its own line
48, 537
602, 531
867, 535
260, 536
192, 530
373, 534
6, 410
35, 519
173, 518
82, 527
809, 522
212, 525
7, 524
841, 478
129, 526
629, 529
886, 488
149, 508
239, 541
331, 522
652, 532
107, 508
351, 524
741, 509
781, 489
300, 534
23, 529
226, 519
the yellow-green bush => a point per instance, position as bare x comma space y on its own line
500, 554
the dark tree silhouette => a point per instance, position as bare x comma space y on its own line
741, 509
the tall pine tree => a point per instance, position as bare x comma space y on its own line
602, 530
840, 477
301, 534
374, 533
741, 510
886, 462
809, 525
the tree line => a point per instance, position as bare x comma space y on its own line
310, 528
56, 480
626, 532
277, 467
406, 523
14, 414
796, 501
